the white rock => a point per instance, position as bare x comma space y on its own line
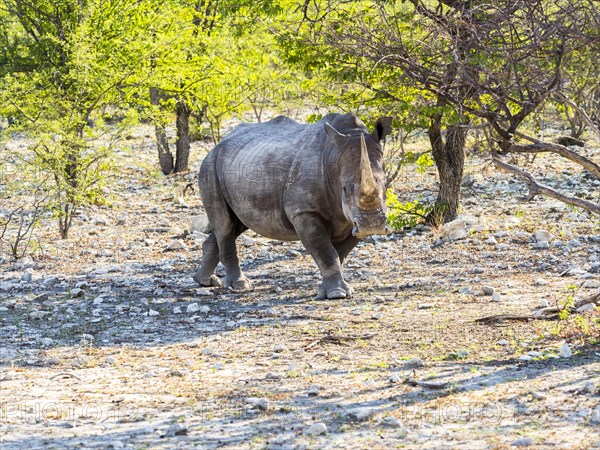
395, 378
101, 220
525, 357
543, 236
491, 240
200, 224
97, 300
538, 395
595, 416
502, 342
413, 363
589, 388
192, 308
116, 444
540, 282
565, 351
425, 305
38, 314
457, 229
77, 292
27, 275
502, 247
110, 360
177, 310
7, 376
176, 429
544, 303
46, 341
153, 313
586, 412
82, 361
391, 422
176, 244
496, 297
313, 391
587, 307
278, 348
203, 292
258, 403
316, 429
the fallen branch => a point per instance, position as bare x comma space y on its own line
337, 339
427, 384
550, 313
65, 375
505, 317
537, 188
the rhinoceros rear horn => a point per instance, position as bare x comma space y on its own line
368, 197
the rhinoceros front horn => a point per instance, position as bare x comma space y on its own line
368, 197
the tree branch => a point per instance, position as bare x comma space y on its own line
536, 188
545, 147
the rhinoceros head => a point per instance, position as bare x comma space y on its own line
362, 178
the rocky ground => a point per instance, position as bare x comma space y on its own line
107, 342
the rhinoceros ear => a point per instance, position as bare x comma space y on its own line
334, 134
383, 127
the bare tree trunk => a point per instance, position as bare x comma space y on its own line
165, 157
182, 144
449, 158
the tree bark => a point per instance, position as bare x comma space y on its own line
165, 157
182, 145
449, 158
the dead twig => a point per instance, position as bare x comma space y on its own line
65, 375
549, 313
337, 339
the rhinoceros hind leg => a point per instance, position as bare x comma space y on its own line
205, 276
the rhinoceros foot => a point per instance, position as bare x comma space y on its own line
241, 284
334, 289
211, 281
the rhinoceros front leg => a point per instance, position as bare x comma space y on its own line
316, 239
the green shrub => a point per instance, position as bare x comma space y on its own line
405, 215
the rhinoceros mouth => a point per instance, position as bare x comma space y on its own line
369, 223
